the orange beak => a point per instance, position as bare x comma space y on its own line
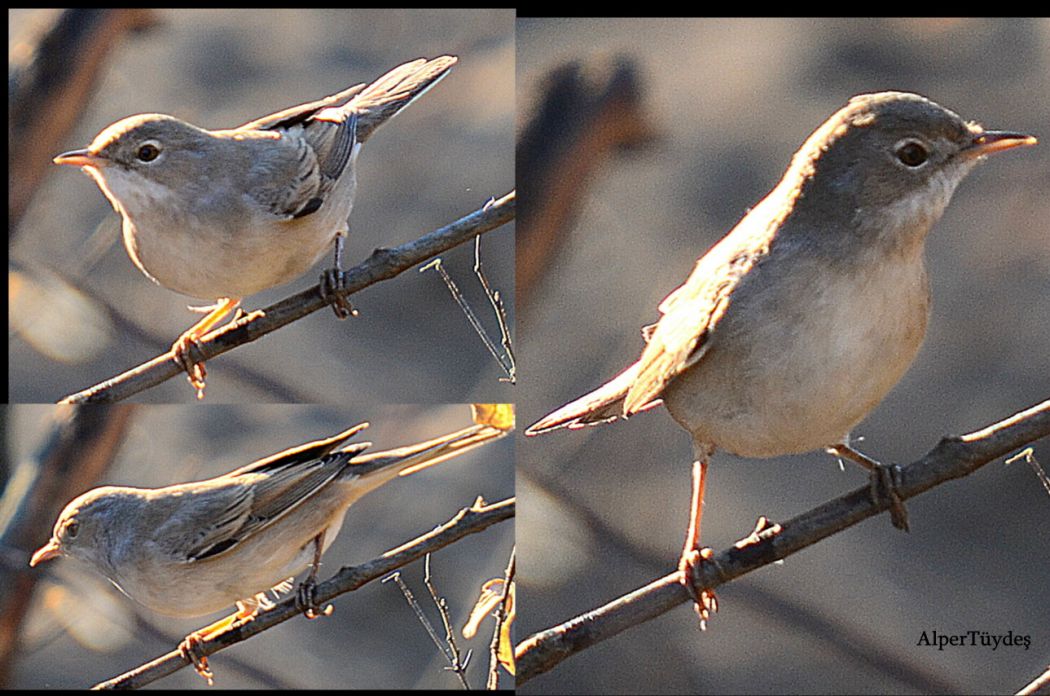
45, 553
80, 158
995, 141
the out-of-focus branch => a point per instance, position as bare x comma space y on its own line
80, 448
582, 113
49, 83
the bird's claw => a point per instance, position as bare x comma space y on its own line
188, 356
307, 603
884, 482
190, 649
333, 291
705, 602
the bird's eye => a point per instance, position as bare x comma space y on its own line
912, 153
72, 529
147, 152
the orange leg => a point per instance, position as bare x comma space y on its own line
187, 342
704, 601
190, 647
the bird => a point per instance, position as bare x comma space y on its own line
222, 214
794, 326
195, 548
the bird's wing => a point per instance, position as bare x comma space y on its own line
294, 115
293, 178
323, 136
691, 313
245, 501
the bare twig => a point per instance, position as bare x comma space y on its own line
1028, 454
507, 364
383, 264
501, 315
492, 683
1036, 685
468, 521
458, 664
449, 648
953, 457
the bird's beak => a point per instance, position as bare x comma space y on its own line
80, 158
46, 552
995, 141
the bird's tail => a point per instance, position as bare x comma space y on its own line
386, 97
380, 467
602, 405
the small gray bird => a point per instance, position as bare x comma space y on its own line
196, 548
798, 322
223, 214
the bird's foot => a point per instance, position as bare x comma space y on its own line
186, 352
705, 602
884, 483
190, 649
333, 291
306, 602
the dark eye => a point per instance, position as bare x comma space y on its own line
147, 152
912, 153
72, 529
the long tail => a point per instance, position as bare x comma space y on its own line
380, 467
602, 405
387, 96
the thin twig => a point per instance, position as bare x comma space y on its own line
383, 264
1036, 685
448, 649
1028, 454
501, 315
953, 457
458, 664
468, 521
506, 364
492, 683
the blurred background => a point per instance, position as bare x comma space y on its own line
722, 106
80, 630
82, 313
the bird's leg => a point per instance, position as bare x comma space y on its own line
186, 349
884, 481
190, 647
333, 283
304, 595
704, 601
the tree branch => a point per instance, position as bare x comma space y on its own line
953, 457
468, 521
383, 264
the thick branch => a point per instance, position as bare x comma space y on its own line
468, 521
383, 264
953, 457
